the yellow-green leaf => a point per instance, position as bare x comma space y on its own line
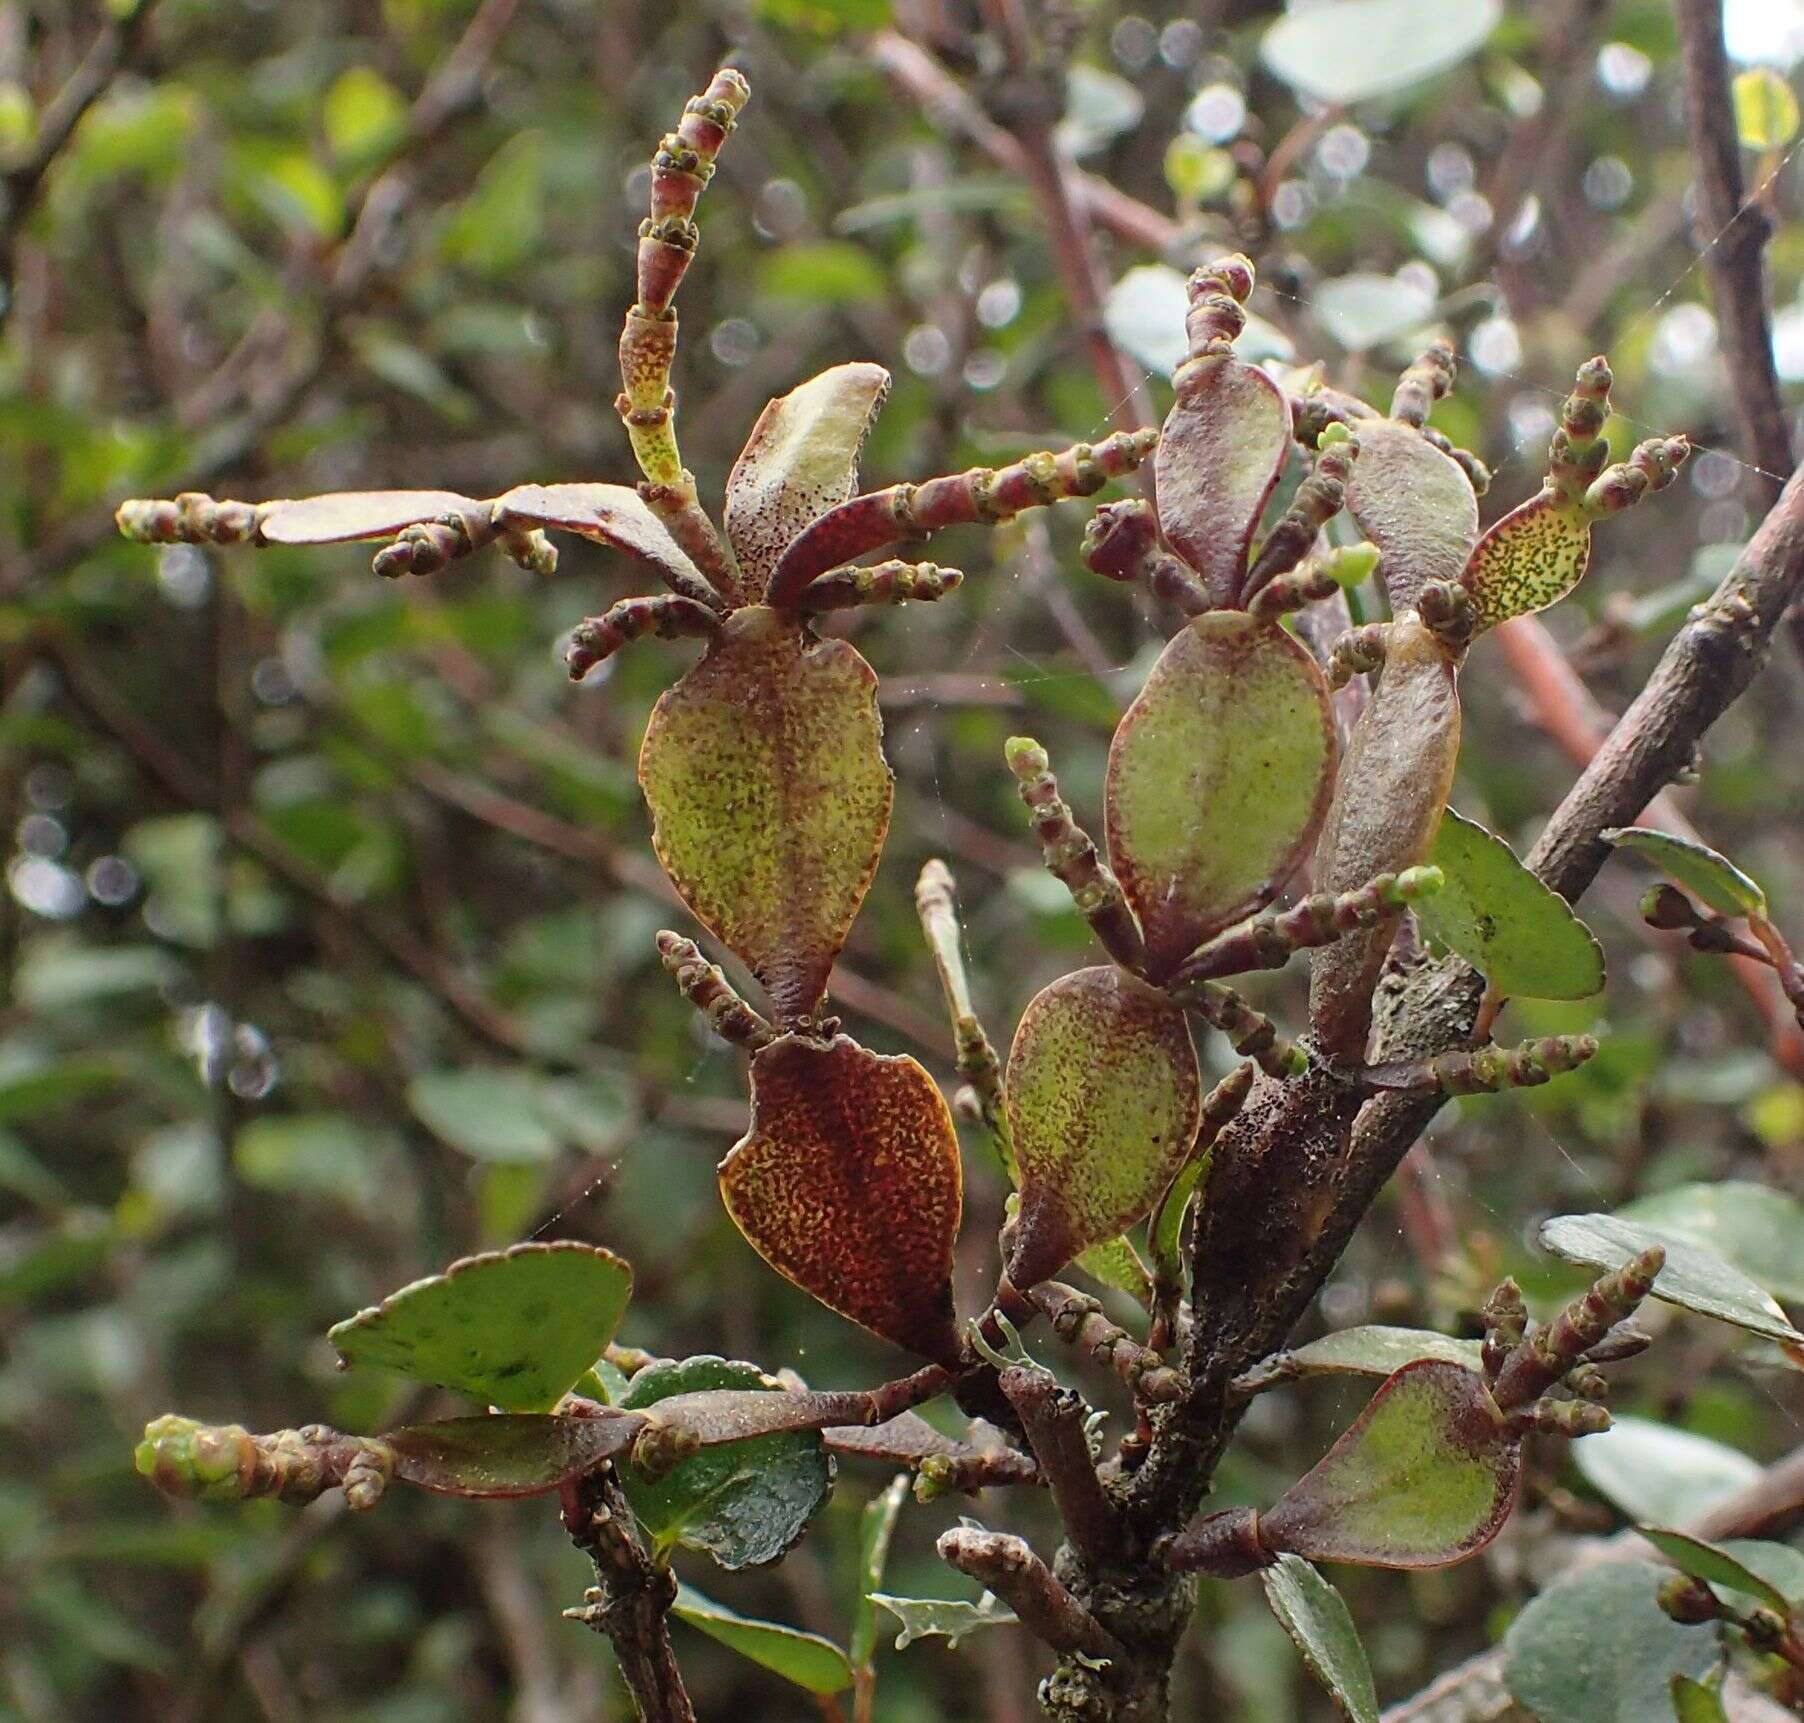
514, 1328
1715, 880
1102, 1106
770, 798
1766, 109
1318, 1621
1530, 559
1521, 935
1218, 779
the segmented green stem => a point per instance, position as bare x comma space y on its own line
1577, 453
1548, 1353
1250, 1033
1356, 652
1428, 379
1268, 940
1486, 1070
1652, 466
1071, 855
1318, 500
937, 905
706, 988
1078, 1320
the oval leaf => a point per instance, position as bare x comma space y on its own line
849, 1185
1363, 48
1712, 878
1366, 310
610, 514
1416, 504
1597, 1648
347, 515
1387, 807
1694, 1278
735, 1415
1220, 453
507, 1453
800, 460
1375, 1350
770, 798
1521, 935
1693, 1702
814, 1664
1219, 775
1103, 1098
1758, 1229
514, 1328
1528, 560
1426, 1476
1653, 1472
1317, 1619
743, 1503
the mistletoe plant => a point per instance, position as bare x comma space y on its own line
1237, 767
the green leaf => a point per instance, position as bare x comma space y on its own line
1374, 1350
1316, 1617
1766, 109
822, 272
363, 116
743, 1503
1693, 1702
1103, 1098
1363, 311
815, 1664
770, 798
950, 1619
800, 460
1757, 1228
1528, 560
1099, 107
1715, 1565
1694, 1277
1416, 504
56, 974
876, 1526
1116, 1263
1779, 1565
317, 1154
1219, 776
1713, 878
1597, 1648
1426, 1476
491, 1113
497, 228
1358, 49
513, 1328
1658, 1474
1521, 935
505, 1454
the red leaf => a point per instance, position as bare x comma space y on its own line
849, 1185
508, 1453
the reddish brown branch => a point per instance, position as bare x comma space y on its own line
1053, 1418
1006, 1566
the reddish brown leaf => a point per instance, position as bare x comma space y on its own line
1220, 454
849, 1185
1425, 1477
1102, 1107
770, 798
1415, 503
610, 514
1387, 807
1219, 776
508, 1453
346, 515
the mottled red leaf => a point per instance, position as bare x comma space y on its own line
849, 1185
770, 798
508, 1453
1425, 1477
1218, 779
1223, 446
345, 515
1102, 1108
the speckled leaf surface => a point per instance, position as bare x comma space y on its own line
507, 1453
612, 515
1102, 1107
1413, 502
770, 798
1319, 1623
1530, 559
1220, 453
800, 460
1710, 877
345, 515
743, 1503
849, 1185
1521, 935
514, 1328
1426, 1476
1393, 785
1218, 778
